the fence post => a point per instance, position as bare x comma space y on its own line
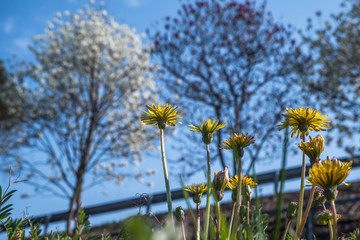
148, 204
47, 220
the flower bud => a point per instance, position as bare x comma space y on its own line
324, 217
221, 180
318, 193
319, 197
219, 195
291, 210
179, 213
246, 193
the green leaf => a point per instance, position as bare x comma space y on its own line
249, 231
224, 230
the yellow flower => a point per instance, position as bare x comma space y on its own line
196, 191
313, 148
245, 180
329, 174
304, 119
247, 183
237, 143
207, 129
161, 115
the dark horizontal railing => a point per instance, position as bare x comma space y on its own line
270, 177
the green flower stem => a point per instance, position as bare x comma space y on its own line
207, 217
286, 230
280, 196
248, 213
231, 221
302, 189
238, 198
334, 226
306, 213
197, 221
329, 223
218, 220
183, 230
166, 177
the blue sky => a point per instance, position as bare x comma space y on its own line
21, 19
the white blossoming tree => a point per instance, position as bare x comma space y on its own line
90, 78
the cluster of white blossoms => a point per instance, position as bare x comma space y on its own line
94, 59
90, 78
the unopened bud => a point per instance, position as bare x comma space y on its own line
318, 193
291, 210
319, 197
324, 217
221, 180
246, 193
179, 213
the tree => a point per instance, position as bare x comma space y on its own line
229, 60
90, 78
3, 81
334, 78
11, 99
14, 111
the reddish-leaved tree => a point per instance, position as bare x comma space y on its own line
230, 60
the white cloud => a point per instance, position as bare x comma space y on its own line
133, 3
8, 25
22, 43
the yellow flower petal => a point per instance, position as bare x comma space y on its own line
304, 119
329, 173
207, 129
237, 141
161, 115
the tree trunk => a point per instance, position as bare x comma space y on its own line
80, 173
70, 216
75, 202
